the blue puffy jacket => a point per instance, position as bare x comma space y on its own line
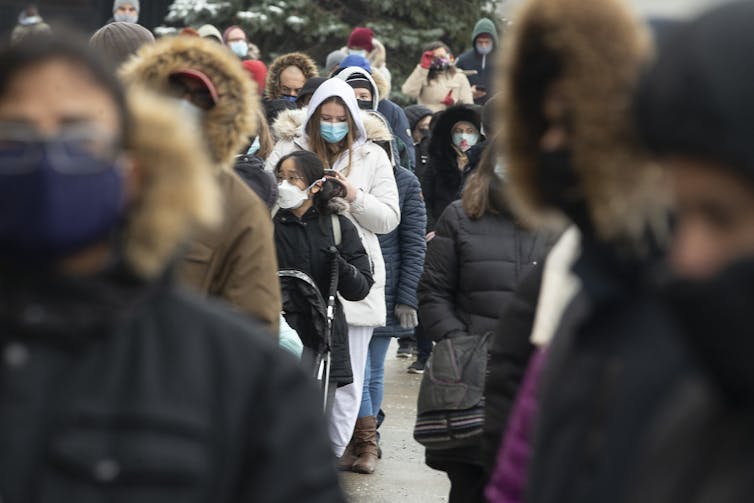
398, 121
403, 250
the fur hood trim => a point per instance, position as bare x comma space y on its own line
179, 192
228, 126
441, 142
339, 206
598, 47
382, 86
289, 125
298, 59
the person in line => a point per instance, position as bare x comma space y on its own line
693, 111
304, 234
305, 96
235, 38
118, 41
474, 263
287, 75
435, 82
334, 130
237, 260
573, 155
119, 385
126, 11
479, 61
257, 70
455, 132
30, 22
378, 59
210, 32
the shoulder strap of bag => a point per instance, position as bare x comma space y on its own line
336, 233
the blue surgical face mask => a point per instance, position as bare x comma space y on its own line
254, 148
484, 49
465, 141
240, 48
358, 52
288, 97
333, 132
55, 200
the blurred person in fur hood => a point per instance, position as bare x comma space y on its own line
117, 385
237, 260
570, 68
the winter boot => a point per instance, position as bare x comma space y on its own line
345, 462
366, 445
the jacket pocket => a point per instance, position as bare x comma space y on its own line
126, 461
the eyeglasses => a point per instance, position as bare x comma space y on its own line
72, 149
201, 97
290, 179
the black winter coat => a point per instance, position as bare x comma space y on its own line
611, 366
509, 352
443, 180
398, 122
485, 71
403, 250
117, 390
471, 271
303, 244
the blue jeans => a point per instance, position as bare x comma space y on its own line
374, 377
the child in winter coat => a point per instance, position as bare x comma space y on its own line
307, 227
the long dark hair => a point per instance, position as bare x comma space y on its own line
310, 168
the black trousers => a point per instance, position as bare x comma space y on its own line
466, 483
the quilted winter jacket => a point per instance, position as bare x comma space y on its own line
471, 271
403, 251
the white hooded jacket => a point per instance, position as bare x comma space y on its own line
375, 210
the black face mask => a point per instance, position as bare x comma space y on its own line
365, 104
424, 133
715, 316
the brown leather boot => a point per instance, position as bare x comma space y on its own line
366, 445
346, 461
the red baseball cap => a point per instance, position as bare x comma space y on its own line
200, 76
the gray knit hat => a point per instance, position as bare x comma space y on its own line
120, 3
117, 42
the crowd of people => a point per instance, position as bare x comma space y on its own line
205, 257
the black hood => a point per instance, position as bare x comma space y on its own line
696, 99
441, 144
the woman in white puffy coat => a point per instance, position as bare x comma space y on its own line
333, 129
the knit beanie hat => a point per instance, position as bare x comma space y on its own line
361, 38
357, 81
231, 28
121, 3
333, 60
415, 113
117, 42
258, 72
696, 99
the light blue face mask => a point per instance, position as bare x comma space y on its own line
500, 169
254, 148
358, 52
239, 47
465, 141
333, 132
484, 49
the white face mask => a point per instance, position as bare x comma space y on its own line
500, 169
291, 197
123, 17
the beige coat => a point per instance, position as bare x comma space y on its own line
237, 261
432, 94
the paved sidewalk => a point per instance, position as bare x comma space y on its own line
401, 474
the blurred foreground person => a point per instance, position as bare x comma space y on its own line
695, 110
116, 386
572, 153
235, 261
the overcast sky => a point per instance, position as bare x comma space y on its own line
665, 8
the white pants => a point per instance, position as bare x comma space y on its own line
347, 401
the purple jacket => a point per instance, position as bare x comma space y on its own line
509, 478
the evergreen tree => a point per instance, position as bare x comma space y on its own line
320, 26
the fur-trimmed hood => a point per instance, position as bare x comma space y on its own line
178, 191
597, 49
297, 59
228, 126
441, 142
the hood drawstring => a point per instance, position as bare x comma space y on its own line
484, 61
